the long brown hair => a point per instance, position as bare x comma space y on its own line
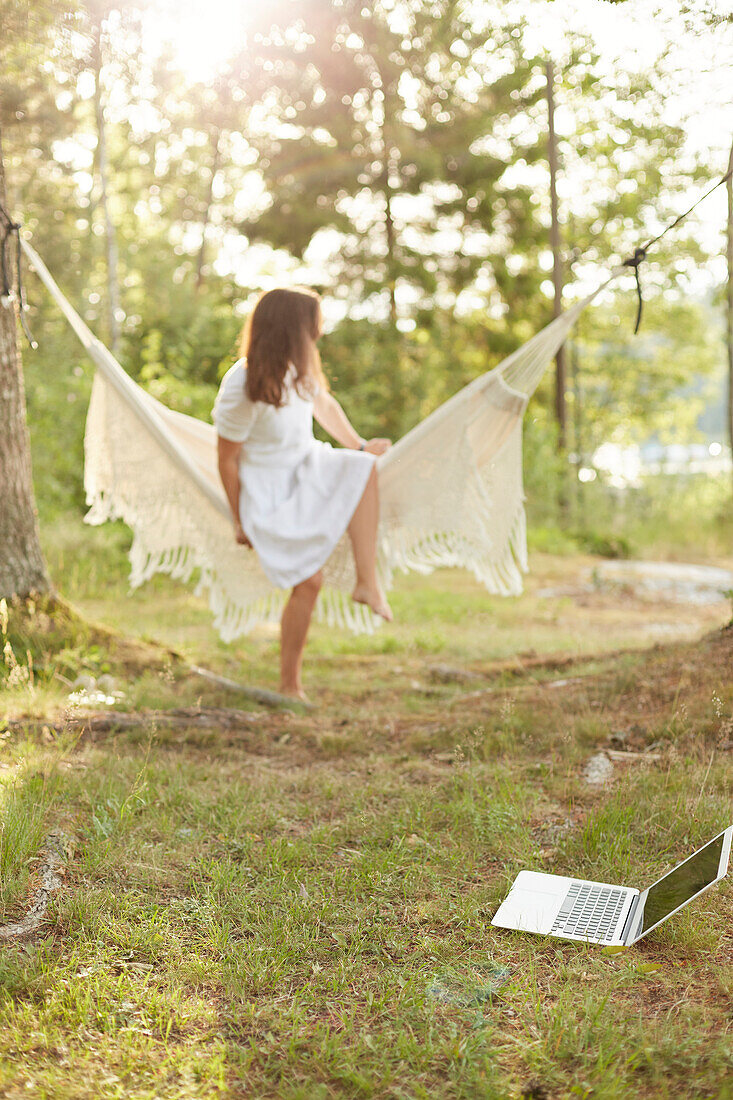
282, 331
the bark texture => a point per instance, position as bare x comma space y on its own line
22, 569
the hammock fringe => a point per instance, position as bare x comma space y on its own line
502, 576
231, 618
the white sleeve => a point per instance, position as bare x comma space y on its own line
233, 413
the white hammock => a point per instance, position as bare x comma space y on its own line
450, 490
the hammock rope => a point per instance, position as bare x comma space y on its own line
12, 229
640, 253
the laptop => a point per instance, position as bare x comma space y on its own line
596, 912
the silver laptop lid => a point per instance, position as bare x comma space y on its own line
706, 866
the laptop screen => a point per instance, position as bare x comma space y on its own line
680, 885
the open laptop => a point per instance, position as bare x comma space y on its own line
596, 912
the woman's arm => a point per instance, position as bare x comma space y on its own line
228, 454
334, 420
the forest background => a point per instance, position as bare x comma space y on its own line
170, 166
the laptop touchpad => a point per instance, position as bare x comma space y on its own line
533, 902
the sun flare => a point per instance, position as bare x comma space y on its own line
202, 34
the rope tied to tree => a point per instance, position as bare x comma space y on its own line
11, 229
639, 256
635, 261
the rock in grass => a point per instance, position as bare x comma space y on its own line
598, 771
84, 682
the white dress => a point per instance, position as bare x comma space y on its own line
297, 494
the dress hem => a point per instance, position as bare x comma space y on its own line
334, 540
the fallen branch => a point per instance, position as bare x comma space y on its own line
50, 884
258, 695
106, 721
623, 754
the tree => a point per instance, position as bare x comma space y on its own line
383, 148
560, 406
729, 296
98, 13
22, 569
383, 167
112, 31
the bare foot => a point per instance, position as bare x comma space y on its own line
294, 693
374, 598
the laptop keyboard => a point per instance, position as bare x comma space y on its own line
591, 911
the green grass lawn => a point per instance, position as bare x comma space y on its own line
299, 905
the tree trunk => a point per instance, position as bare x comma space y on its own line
560, 372
730, 301
389, 229
207, 211
113, 290
390, 241
22, 569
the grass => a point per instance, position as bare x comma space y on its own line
26, 801
300, 906
444, 618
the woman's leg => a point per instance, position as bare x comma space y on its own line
363, 534
294, 625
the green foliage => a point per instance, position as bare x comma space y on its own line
389, 380
58, 386
365, 133
674, 516
182, 351
627, 388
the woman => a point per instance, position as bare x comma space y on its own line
293, 497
